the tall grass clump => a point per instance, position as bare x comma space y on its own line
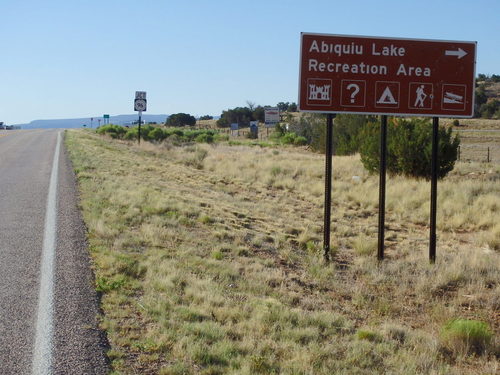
463, 336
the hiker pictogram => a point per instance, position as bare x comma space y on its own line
420, 95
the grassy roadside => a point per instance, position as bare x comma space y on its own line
208, 258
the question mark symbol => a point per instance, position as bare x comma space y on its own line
354, 92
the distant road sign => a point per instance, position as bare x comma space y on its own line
355, 74
271, 116
140, 105
140, 95
105, 116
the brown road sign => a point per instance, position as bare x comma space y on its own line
354, 74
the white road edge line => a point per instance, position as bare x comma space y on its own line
42, 353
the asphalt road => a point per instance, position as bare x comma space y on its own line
48, 306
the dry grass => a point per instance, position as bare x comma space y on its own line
209, 260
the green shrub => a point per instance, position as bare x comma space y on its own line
151, 133
311, 126
192, 135
157, 134
146, 131
176, 132
221, 137
463, 336
409, 145
204, 138
131, 134
346, 132
114, 131
300, 141
278, 132
489, 109
288, 138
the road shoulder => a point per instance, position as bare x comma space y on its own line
80, 346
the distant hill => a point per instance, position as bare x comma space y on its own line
79, 122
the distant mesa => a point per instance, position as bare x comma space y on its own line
80, 122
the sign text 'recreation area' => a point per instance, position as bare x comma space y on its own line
386, 76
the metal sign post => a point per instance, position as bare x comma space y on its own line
139, 129
381, 195
328, 186
434, 177
140, 105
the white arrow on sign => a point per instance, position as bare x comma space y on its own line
460, 53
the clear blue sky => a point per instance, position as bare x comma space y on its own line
66, 58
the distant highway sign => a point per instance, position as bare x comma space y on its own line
271, 116
140, 102
140, 105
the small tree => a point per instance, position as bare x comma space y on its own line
409, 145
488, 109
241, 115
250, 105
207, 117
287, 107
282, 106
180, 119
259, 113
311, 126
346, 130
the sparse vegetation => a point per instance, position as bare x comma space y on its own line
281, 136
158, 134
208, 258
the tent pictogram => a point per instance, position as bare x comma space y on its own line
387, 97
386, 94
